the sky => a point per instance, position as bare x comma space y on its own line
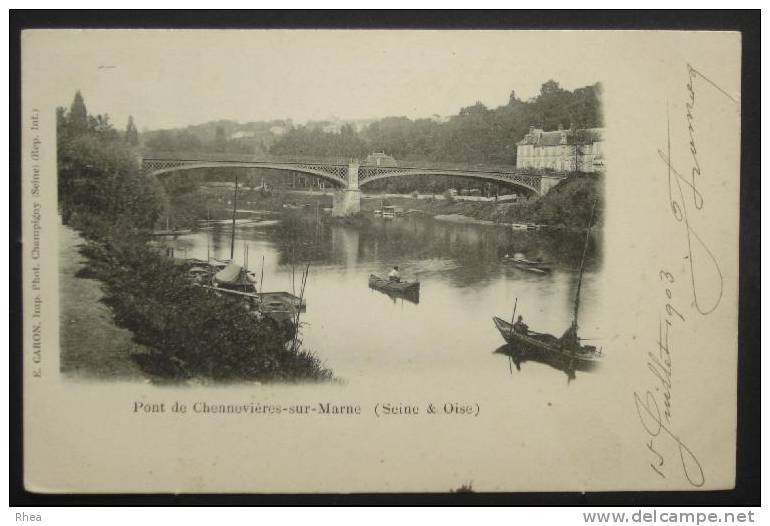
175, 78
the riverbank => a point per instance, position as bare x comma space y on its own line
192, 333
567, 206
91, 345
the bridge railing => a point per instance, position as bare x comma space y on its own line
243, 157
342, 161
454, 166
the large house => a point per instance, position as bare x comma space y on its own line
572, 150
380, 159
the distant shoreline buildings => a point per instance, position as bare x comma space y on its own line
571, 150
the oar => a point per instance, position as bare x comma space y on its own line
510, 358
515, 304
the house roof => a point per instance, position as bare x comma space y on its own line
554, 138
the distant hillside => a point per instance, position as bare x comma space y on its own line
217, 136
255, 137
476, 135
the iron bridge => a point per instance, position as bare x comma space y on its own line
349, 176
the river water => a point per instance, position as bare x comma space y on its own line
363, 334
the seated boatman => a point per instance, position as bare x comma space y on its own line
520, 327
394, 276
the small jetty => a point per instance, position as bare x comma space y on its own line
171, 233
527, 226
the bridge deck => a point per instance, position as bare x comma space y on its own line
348, 173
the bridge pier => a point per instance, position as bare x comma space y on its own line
549, 181
347, 202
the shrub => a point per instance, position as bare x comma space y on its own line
204, 334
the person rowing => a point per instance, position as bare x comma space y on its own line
520, 327
394, 276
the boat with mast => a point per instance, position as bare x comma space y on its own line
239, 283
568, 346
234, 277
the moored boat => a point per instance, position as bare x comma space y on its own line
532, 265
234, 277
279, 306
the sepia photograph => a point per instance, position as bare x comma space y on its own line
377, 261
328, 231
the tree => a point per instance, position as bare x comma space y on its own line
476, 135
220, 141
132, 134
78, 116
549, 88
99, 178
161, 141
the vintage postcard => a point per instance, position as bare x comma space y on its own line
337, 261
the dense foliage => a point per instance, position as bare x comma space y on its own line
572, 202
567, 205
197, 333
475, 135
99, 174
217, 136
191, 332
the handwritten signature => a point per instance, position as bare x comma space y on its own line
681, 191
649, 416
684, 196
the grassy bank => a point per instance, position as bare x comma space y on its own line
91, 345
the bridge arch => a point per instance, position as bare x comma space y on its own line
528, 182
162, 168
351, 176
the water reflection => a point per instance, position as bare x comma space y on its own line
518, 356
362, 333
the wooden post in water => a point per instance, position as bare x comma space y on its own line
232, 237
262, 274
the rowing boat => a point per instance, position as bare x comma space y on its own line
568, 346
396, 287
548, 345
